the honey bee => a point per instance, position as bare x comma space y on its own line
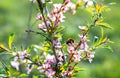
69, 41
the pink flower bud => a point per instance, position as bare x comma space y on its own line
70, 68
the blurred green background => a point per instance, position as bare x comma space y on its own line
14, 19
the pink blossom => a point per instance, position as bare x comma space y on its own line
57, 44
15, 64
46, 66
50, 59
83, 44
50, 73
41, 69
29, 68
70, 68
20, 55
39, 17
57, 7
75, 54
42, 26
23, 54
90, 56
71, 7
64, 74
82, 27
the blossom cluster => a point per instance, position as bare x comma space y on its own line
56, 16
51, 58
19, 56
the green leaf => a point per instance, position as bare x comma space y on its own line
77, 70
94, 2
23, 75
3, 48
111, 42
104, 40
11, 37
60, 28
35, 76
109, 48
106, 25
46, 47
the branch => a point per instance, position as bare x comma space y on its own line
28, 26
41, 10
42, 34
53, 48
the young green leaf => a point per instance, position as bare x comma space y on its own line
106, 25
3, 48
11, 37
109, 48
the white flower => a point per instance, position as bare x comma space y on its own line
39, 17
83, 44
50, 73
50, 59
29, 68
23, 54
33, 1
15, 64
89, 3
82, 27
90, 56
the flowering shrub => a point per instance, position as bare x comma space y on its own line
52, 59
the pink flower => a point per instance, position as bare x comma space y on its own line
64, 74
57, 14
70, 68
70, 48
50, 73
42, 26
57, 44
20, 55
50, 59
29, 68
83, 44
82, 27
15, 64
90, 56
46, 66
23, 54
71, 7
60, 55
39, 17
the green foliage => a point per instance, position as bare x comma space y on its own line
104, 25
3, 48
16, 22
11, 38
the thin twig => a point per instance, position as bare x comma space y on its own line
53, 48
42, 34
33, 23
41, 10
28, 26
